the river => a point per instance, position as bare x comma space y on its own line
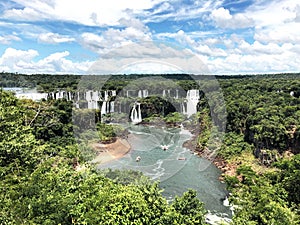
177, 168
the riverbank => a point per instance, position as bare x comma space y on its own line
111, 151
227, 169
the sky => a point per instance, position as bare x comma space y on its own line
224, 36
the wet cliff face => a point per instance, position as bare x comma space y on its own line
156, 105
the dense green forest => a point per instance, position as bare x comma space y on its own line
45, 179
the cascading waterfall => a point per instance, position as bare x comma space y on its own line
90, 99
145, 93
112, 107
105, 95
103, 108
136, 115
192, 101
183, 110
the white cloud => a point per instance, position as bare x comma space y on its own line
274, 26
7, 39
213, 52
114, 38
87, 12
53, 38
26, 14
224, 19
258, 48
276, 21
204, 47
12, 57
133, 23
177, 10
297, 17
14, 60
283, 33
272, 13
257, 58
140, 57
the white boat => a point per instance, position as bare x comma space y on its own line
138, 158
164, 147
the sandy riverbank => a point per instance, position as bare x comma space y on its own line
111, 151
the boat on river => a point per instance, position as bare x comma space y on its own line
164, 147
138, 158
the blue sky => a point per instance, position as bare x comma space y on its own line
228, 37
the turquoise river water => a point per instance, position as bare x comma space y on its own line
177, 168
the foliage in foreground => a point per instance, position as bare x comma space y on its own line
40, 187
258, 201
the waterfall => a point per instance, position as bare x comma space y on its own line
95, 104
193, 95
103, 108
136, 115
140, 94
105, 95
176, 97
145, 93
90, 104
88, 96
112, 107
192, 101
95, 96
183, 110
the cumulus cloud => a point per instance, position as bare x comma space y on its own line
11, 58
149, 56
248, 58
54, 38
284, 33
249, 64
258, 48
114, 38
22, 61
212, 52
224, 19
272, 13
134, 23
